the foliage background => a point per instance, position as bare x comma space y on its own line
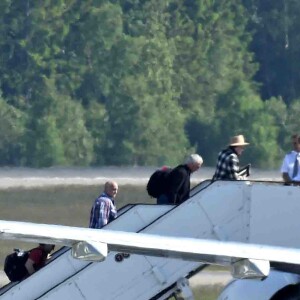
136, 82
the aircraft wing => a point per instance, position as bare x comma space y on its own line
246, 260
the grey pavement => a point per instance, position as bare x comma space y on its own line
3, 279
210, 278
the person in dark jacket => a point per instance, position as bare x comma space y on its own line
178, 181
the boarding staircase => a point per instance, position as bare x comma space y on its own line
245, 211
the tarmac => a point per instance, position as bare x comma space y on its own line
206, 278
3, 279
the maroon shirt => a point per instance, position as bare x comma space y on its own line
39, 257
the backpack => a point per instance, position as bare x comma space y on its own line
156, 185
14, 265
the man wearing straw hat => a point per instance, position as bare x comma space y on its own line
228, 160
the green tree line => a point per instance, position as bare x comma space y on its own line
145, 82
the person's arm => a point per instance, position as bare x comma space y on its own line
285, 170
104, 213
233, 165
244, 171
95, 215
286, 178
113, 212
29, 265
35, 260
176, 180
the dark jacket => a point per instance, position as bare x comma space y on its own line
178, 183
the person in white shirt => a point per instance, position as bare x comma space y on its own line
290, 168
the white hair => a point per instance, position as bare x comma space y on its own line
194, 159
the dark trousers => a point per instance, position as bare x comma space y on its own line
163, 199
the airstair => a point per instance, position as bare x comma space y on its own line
255, 212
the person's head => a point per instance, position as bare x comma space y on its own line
238, 143
194, 162
297, 144
111, 188
295, 138
47, 247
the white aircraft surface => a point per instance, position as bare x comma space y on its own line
246, 260
249, 226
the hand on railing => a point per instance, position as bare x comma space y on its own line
244, 172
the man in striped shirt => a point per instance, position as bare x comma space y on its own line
228, 160
104, 209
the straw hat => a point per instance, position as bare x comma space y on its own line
238, 140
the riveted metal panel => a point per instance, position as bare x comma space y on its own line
275, 211
65, 265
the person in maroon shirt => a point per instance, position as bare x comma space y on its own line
37, 257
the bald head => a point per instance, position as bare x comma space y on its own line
111, 188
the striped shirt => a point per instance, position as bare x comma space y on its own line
227, 165
103, 211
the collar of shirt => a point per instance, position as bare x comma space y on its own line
107, 196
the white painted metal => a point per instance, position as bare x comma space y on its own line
275, 211
240, 211
250, 289
184, 288
65, 265
251, 268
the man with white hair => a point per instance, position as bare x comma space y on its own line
178, 181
